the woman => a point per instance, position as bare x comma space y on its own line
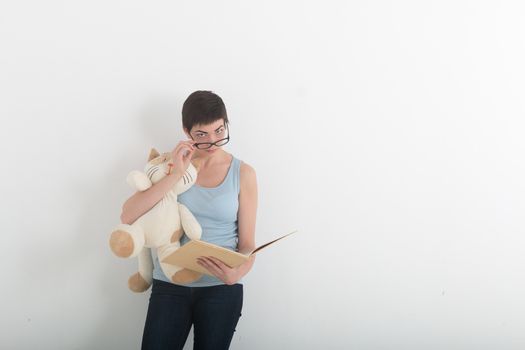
224, 202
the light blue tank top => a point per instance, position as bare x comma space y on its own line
215, 208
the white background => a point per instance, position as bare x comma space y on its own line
390, 133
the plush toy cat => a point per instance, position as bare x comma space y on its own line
161, 227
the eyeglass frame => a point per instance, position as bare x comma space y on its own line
227, 138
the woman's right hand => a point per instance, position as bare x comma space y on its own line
181, 156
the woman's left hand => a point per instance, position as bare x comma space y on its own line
219, 269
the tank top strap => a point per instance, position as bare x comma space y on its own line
236, 174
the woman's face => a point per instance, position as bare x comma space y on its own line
208, 133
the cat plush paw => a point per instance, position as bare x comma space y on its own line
127, 241
138, 180
185, 276
137, 283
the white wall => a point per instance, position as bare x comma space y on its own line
389, 133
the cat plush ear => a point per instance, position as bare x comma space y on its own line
153, 154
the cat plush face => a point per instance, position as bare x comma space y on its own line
160, 165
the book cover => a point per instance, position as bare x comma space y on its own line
186, 256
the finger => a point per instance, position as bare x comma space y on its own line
183, 144
214, 265
211, 267
188, 155
176, 149
188, 142
219, 263
204, 265
207, 261
191, 149
204, 260
219, 266
182, 150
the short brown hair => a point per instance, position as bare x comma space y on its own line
203, 107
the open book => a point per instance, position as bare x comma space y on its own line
186, 256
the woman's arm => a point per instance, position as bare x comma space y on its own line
246, 226
247, 216
141, 202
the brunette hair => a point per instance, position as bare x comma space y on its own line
203, 107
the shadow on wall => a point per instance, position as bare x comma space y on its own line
122, 326
105, 313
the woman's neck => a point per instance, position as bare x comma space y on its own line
217, 157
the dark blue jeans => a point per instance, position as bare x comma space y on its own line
213, 311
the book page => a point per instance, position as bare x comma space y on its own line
267, 244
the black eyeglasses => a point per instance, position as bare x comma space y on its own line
221, 142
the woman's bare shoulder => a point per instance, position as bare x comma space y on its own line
248, 174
